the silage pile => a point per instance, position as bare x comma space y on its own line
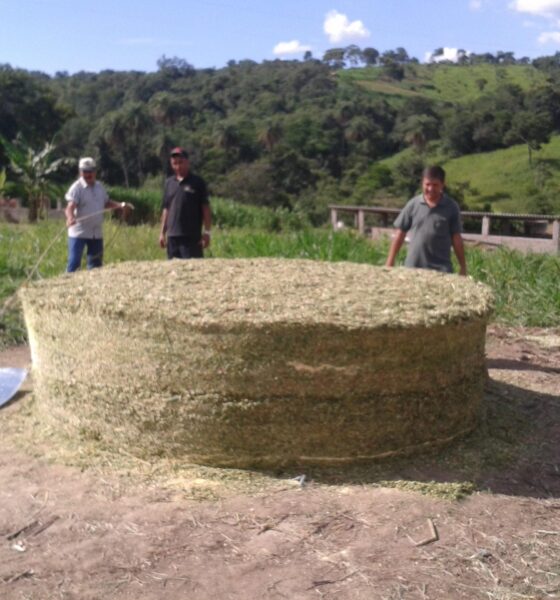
258, 362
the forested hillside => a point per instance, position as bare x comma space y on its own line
354, 127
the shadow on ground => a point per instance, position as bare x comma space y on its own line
515, 450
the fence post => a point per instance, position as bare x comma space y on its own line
334, 218
556, 235
485, 226
361, 222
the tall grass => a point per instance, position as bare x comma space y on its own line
225, 213
527, 287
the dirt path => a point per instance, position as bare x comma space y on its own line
71, 534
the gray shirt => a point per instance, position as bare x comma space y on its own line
89, 200
431, 230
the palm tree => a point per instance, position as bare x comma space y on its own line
34, 169
125, 132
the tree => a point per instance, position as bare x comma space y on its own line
124, 135
436, 54
457, 133
334, 58
34, 170
505, 58
353, 55
253, 183
27, 107
270, 133
417, 130
371, 56
175, 66
167, 108
393, 70
481, 83
531, 129
407, 173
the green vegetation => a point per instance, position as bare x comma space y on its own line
504, 180
499, 181
225, 213
445, 83
295, 136
526, 287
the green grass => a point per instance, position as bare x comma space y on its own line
526, 287
444, 83
503, 179
225, 213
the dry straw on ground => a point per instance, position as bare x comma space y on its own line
259, 362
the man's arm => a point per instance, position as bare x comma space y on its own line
458, 247
395, 247
70, 213
163, 230
207, 224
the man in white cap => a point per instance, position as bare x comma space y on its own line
87, 201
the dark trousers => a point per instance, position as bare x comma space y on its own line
183, 247
76, 249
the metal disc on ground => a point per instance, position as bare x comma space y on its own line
10, 382
259, 362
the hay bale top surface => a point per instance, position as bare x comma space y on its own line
232, 292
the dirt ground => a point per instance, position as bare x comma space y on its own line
90, 531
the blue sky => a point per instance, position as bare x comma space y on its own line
65, 35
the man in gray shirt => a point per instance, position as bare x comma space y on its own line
87, 201
434, 222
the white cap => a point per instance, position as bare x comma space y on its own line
87, 164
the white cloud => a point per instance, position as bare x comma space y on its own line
475, 4
339, 28
549, 9
550, 37
293, 47
450, 54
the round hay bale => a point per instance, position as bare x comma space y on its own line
259, 362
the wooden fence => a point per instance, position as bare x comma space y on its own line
535, 233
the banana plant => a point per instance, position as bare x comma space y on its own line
34, 169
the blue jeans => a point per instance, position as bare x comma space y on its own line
76, 249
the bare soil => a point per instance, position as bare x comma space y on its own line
385, 532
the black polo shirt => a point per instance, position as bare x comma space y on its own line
184, 200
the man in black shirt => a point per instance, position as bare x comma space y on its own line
185, 209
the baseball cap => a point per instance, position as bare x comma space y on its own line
179, 152
87, 164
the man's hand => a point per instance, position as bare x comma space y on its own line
205, 240
70, 220
162, 240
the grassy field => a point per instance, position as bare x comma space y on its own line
446, 83
503, 179
526, 287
